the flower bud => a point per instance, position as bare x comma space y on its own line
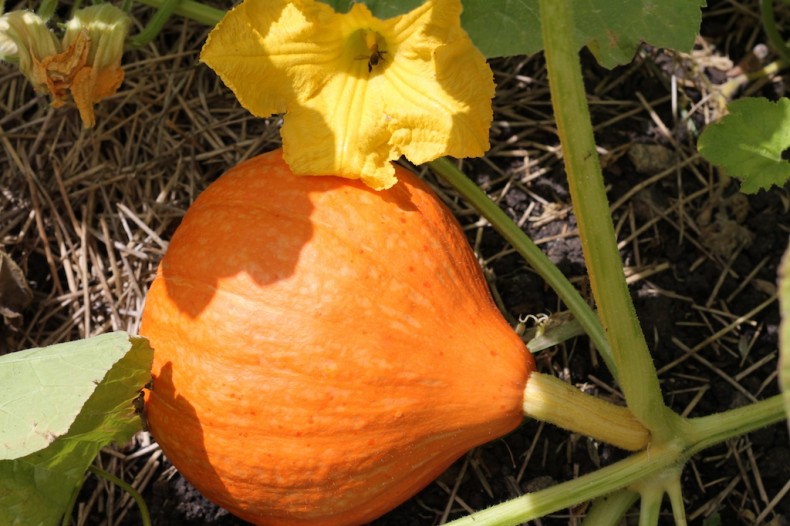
87, 63
25, 38
104, 27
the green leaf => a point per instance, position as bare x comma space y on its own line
784, 333
612, 29
380, 8
59, 406
748, 143
390, 8
501, 28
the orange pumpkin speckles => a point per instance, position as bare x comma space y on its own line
339, 384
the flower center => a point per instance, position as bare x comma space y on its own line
373, 49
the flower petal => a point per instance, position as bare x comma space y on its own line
57, 71
439, 94
25, 37
269, 51
355, 145
106, 27
358, 92
90, 85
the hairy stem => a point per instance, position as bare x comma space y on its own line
637, 373
599, 483
706, 431
610, 509
772, 32
662, 460
551, 400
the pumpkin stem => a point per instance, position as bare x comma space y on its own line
551, 400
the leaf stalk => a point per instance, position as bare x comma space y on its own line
637, 373
191, 9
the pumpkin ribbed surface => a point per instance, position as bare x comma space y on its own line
322, 350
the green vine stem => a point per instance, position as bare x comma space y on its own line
522, 244
66, 519
650, 505
155, 25
191, 9
772, 32
145, 517
597, 484
610, 509
637, 374
707, 431
46, 9
549, 399
674, 489
662, 460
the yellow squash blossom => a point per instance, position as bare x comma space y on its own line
357, 91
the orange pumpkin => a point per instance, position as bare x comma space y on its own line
323, 351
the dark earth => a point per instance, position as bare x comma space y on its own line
706, 255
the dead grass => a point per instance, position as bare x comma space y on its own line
87, 216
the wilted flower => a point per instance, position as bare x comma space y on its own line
86, 63
104, 27
25, 39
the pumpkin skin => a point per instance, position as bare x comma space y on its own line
323, 351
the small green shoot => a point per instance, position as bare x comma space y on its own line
784, 334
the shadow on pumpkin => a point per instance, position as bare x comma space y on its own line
183, 444
248, 231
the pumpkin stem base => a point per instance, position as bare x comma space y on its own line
549, 399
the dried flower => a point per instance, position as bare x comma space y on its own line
86, 63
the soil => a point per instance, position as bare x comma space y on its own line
701, 258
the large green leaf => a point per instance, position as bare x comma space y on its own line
59, 406
380, 8
612, 29
390, 8
501, 28
749, 143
